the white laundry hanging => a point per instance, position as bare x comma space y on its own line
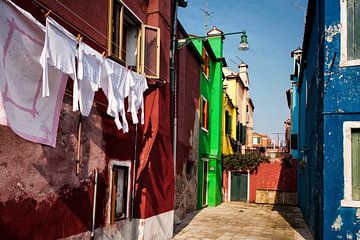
136, 96
59, 51
91, 69
119, 86
22, 108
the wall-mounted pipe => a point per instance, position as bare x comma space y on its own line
94, 204
134, 173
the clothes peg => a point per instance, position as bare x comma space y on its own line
47, 13
103, 54
79, 37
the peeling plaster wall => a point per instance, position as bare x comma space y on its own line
336, 99
341, 103
40, 195
188, 78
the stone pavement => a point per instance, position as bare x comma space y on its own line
237, 220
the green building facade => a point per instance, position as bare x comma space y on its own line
210, 108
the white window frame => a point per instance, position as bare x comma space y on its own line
344, 62
111, 165
140, 45
347, 201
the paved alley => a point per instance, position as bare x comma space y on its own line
237, 220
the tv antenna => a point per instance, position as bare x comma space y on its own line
207, 14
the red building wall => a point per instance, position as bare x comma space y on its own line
274, 176
41, 197
188, 67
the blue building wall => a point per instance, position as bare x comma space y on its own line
341, 103
295, 114
333, 97
311, 122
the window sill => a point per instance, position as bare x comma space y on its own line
206, 77
349, 63
350, 203
205, 130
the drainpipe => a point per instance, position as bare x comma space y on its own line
173, 82
94, 204
134, 173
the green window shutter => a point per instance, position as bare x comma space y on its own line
243, 135
353, 29
355, 163
227, 123
237, 132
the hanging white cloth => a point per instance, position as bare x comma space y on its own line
136, 96
21, 106
116, 83
91, 69
59, 51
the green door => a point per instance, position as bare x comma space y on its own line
239, 187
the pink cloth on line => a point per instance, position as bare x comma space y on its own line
21, 106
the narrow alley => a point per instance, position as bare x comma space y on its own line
244, 221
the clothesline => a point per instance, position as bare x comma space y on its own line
82, 33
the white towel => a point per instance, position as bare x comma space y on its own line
21, 106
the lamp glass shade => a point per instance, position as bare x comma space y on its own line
243, 42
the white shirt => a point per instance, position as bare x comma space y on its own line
136, 96
59, 51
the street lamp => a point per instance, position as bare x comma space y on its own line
243, 45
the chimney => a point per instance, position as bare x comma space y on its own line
243, 72
296, 55
215, 31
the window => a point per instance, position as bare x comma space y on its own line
227, 123
119, 193
204, 114
351, 164
133, 43
294, 141
206, 63
350, 33
256, 140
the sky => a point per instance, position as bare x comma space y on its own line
274, 29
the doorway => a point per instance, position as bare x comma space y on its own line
239, 185
205, 183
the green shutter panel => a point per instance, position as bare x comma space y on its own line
243, 135
237, 132
355, 163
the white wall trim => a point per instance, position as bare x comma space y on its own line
344, 62
108, 202
347, 201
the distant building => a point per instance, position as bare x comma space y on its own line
329, 120
236, 85
292, 97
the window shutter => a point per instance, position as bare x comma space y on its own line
227, 123
353, 29
294, 141
243, 134
237, 132
150, 56
355, 163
